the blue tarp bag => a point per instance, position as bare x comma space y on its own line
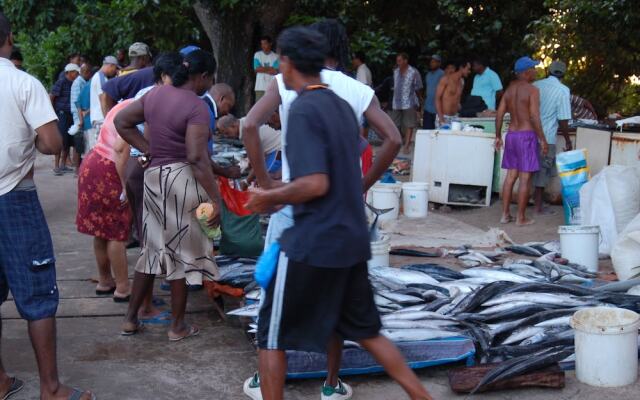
267, 265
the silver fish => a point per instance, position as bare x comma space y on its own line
521, 334
402, 276
537, 298
250, 310
413, 335
495, 275
400, 298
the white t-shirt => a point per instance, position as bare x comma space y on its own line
24, 106
95, 111
262, 59
363, 74
270, 138
357, 94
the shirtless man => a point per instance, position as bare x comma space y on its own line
522, 102
449, 92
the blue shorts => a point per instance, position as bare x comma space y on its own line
27, 263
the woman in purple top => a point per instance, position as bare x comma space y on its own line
178, 179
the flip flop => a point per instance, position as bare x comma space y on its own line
193, 331
105, 292
506, 220
121, 299
77, 394
138, 329
164, 318
529, 222
16, 386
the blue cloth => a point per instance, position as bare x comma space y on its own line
432, 79
76, 89
555, 105
272, 163
127, 86
27, 263
486, 85
84, 102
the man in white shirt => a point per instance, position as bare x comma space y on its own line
108, 71
265, 64
27, 262
363, 73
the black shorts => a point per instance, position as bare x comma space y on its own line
78, 142
305, 306
65, 120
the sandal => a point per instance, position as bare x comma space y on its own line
138, 329
193, 331
164, 318
16, 386
119, 299
77, 394
105, 292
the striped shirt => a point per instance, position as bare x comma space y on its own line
555, 105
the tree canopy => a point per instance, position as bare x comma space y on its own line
598, 39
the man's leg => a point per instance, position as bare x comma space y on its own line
507, 192
178, 307
272, 365
5, 380
388, 355
334, 358
537, 196
523, 199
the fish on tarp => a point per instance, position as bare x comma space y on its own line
415, 253
434, 269
250, 310
402, 299
521, 365
419, 324
415, 335
536, 298
550, 287
549, 331
427, 286
401, 276
523, 250
494, 275
416, 316
474, 299
521, 334
436, 304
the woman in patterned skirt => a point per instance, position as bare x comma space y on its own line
177, 180
103, 212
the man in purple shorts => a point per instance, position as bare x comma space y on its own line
522, 102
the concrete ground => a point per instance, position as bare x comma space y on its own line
214, 365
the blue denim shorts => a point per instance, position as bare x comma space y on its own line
27, 262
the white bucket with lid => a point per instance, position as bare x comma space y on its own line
579, 244
606, 342
380, 252
415, 199
386, 195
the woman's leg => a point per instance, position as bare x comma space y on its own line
118, 257
178, 307
105, 280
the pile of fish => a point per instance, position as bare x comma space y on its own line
517, 311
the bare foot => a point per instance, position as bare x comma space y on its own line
187, 332
525, 222
506, 219
65, 392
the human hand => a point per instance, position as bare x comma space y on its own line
123, 199
214, 219
233, 172
545, 148
568, 146
498, 143
144, 160
258, 202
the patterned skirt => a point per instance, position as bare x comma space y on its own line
100, 212
172, 240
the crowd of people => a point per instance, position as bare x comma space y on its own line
142, 139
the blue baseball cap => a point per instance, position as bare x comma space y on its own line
525, 63
188, 49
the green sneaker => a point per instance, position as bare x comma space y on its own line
252, 387
341, 392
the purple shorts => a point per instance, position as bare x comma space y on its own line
521, 152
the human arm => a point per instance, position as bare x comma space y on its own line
391, 142
301, 190
534, 115
196, 139
499, 94
122, 152
564, 130
258, 115
564, 115
106, 102
126, 124
231, 172
48, 138
442, 85
502, 110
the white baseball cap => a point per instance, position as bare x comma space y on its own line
72, 67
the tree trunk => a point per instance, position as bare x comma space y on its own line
231, 36
234, 37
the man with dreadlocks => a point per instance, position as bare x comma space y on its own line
363, 102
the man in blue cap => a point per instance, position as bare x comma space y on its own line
522, 102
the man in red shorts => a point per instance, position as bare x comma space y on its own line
522, 102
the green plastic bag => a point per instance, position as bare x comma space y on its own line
241, 236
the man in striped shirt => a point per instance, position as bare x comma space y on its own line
555, 110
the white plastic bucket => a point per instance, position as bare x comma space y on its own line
606, 341
415, 199
579, 244
380, 252
386, 195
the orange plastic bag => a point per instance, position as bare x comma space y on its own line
234, 199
